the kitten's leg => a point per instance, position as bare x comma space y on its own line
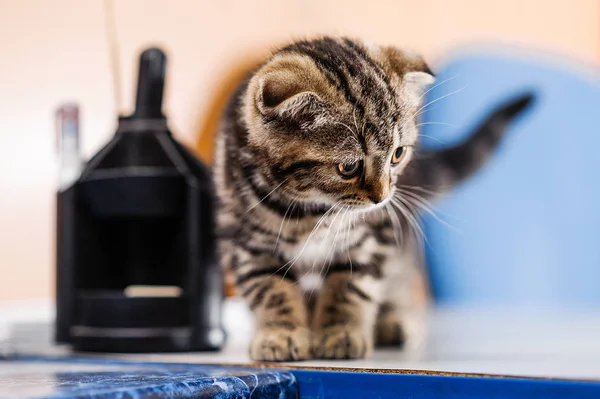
400, 320
282, 332
344, 318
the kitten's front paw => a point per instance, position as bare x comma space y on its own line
407, 333
390, 334
272, 344
341, 342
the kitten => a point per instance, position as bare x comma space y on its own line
319, 180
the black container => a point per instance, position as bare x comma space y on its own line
140, 215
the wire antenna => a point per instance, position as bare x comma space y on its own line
113, 48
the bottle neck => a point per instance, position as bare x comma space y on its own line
135, 125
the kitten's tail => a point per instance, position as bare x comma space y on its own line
438, 171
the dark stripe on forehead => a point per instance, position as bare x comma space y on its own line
324, 53
347, 59
375, 67
364, 70
372, 91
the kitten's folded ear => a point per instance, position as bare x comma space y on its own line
414, 86
415, 74
281, 93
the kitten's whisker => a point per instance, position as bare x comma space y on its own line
417, 200
438, 84
396, 225
435, 123
265, 197
416, 222
419, 188
438, 99
346, 239
351, 227
339, 227
422, 203
416, 115
433, 138
283, 220
330, 253
315, 228
410, 218
409, 191
293, 260
406, 207
332, 248
419, 197
324, 242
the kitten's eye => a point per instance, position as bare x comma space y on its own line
398, 155
349, 170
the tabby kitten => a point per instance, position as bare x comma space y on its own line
319, 180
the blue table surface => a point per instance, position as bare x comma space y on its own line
54, 378
63, 378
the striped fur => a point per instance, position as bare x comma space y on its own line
331, 265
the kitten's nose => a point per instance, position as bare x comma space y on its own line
378, 192
375, 199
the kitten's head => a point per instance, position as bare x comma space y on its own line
333, 121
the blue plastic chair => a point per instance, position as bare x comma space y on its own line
526, 228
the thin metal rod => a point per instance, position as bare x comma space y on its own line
113, 48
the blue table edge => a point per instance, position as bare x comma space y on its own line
344, 382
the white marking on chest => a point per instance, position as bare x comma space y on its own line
311, 282
315, 249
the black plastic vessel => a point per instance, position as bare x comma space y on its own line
137, 267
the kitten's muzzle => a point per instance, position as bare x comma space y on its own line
378, 192
376, 199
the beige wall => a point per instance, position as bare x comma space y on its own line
56, 50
